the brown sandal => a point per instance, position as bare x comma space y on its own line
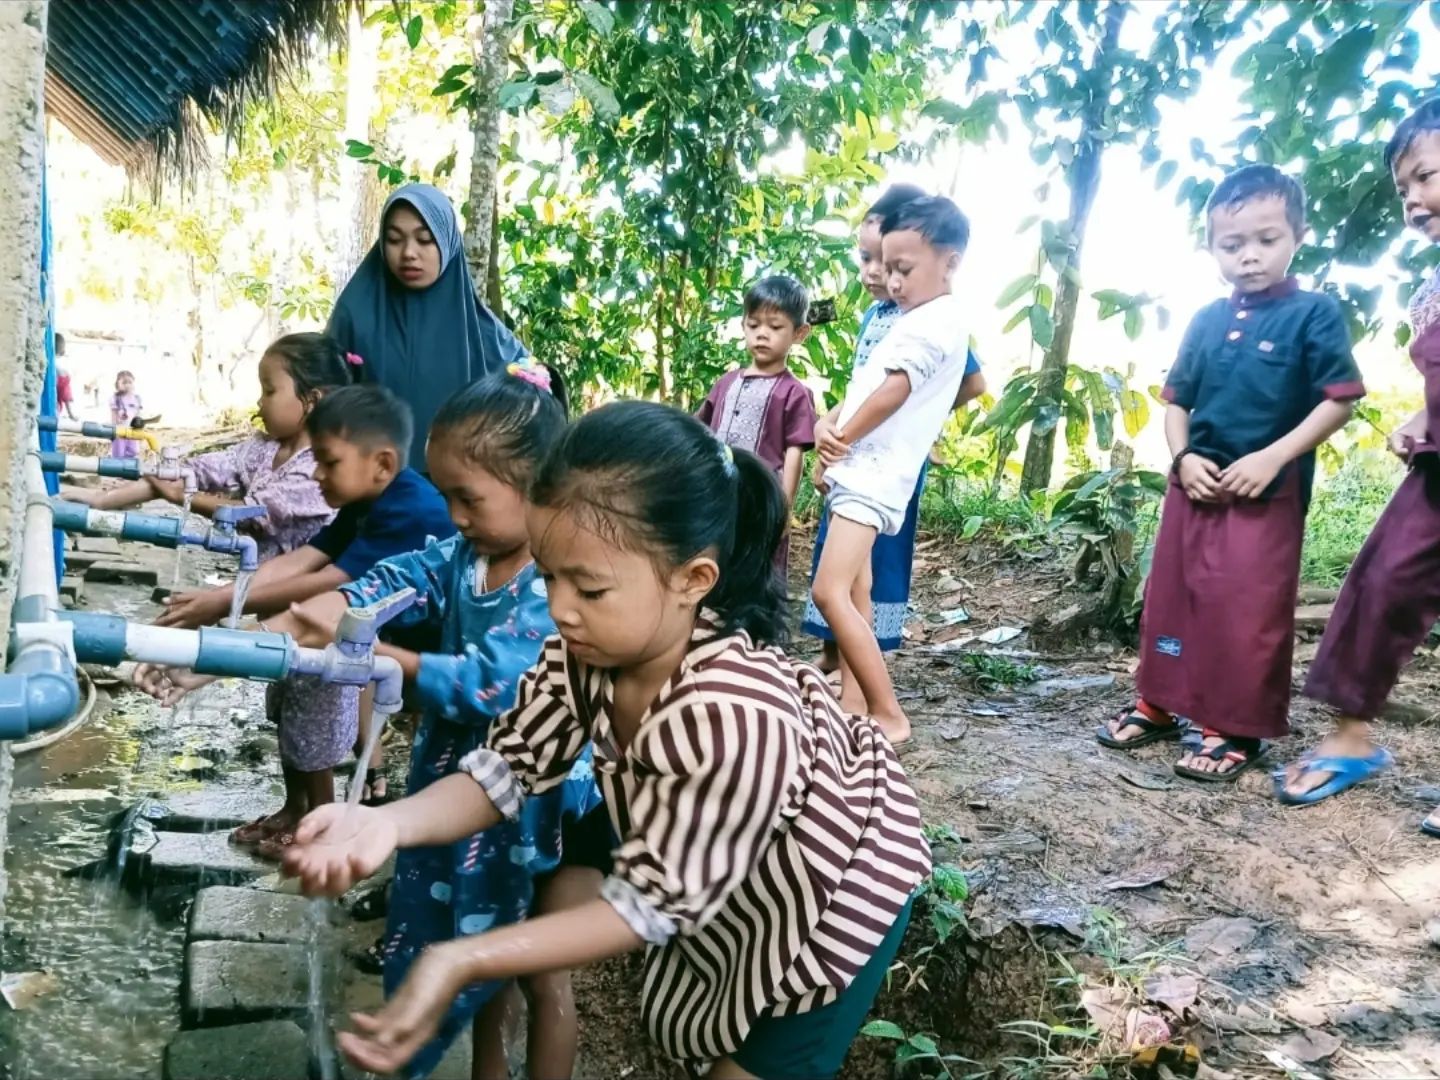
252, 832
274, 846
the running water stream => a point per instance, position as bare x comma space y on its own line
322, 1046
180, 548
240, 591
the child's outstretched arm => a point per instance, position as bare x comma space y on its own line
383, 1042
280, 582
339, 844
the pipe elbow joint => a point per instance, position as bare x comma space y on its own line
32, 701
249, 553
389, 683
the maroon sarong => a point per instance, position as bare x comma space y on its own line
1218, 630
1391, 595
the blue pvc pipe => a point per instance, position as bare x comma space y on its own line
251, 655
38, 692
53, 461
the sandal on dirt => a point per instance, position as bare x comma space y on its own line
1431, 825
1245, 753
1348, 772
373, 905
373, 777
252, 832
371, 959
1151, 730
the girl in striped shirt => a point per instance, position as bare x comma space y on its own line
762, 845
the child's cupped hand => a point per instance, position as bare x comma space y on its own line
167, 685
338, 845
385, 1041
830, 444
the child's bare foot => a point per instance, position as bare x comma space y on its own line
896, 728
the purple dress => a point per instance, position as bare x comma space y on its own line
124, 409
1391, 595
318, 722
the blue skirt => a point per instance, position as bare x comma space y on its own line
476, 884
891, 560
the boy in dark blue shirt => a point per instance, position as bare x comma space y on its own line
360, 436
1262, 379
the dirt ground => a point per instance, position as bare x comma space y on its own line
1294, 933
1298, 932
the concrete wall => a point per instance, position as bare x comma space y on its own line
22, 352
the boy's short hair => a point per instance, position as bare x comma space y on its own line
1425, 120
896, 196
59, 342
779, 293
1258, 182
934, 217
368, 415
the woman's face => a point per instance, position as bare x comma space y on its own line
410, 251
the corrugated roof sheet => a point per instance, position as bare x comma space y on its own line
127, 75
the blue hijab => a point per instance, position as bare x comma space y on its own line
421, 344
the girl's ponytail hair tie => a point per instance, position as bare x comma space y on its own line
532, 373
354, 359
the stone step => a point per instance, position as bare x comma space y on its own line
1313, 617
202, 858
97, 545
232, 981
228, 913
118, 572
268, 1050
213, 808
72, 588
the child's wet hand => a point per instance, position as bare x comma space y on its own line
385, 1041
1200, 478
192, 610
1251, 475
338, 845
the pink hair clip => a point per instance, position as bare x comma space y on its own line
353, 359
534, 374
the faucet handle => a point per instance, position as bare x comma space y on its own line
232, 515
361, 625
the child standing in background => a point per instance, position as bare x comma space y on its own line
892, 557
275, 470
481, 592
1391, 596
64, 388
764, 408
125, 406
766, 847
874, 445
1263, 378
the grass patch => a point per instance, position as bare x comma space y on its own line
1342, 513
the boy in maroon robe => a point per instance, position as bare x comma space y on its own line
1262, 379
1391, 596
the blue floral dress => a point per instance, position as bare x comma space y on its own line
486, 880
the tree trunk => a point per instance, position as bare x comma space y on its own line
490, 44
1082, 176
359, 185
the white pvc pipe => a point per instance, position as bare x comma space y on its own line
168, 645
37, 551
79, 463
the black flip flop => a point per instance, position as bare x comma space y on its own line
371, 776
1153, 732
1246, 753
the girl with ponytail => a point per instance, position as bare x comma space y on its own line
761, 845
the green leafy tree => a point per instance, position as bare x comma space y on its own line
1090, 92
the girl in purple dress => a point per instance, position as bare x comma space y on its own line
125, 409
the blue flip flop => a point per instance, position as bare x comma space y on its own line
1348, 772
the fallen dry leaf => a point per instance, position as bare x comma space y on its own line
1220, 935
1311, 1045
1142, 876
1175, 991
21, 989
1145, 1029
1107, 1008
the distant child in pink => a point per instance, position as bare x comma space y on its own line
125, 408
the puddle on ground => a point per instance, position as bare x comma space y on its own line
118, 959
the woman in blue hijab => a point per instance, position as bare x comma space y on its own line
411, 312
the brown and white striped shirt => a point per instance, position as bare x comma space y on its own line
769, 840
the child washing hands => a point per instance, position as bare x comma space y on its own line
765, 847
483, 594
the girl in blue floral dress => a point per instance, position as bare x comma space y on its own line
480, 591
